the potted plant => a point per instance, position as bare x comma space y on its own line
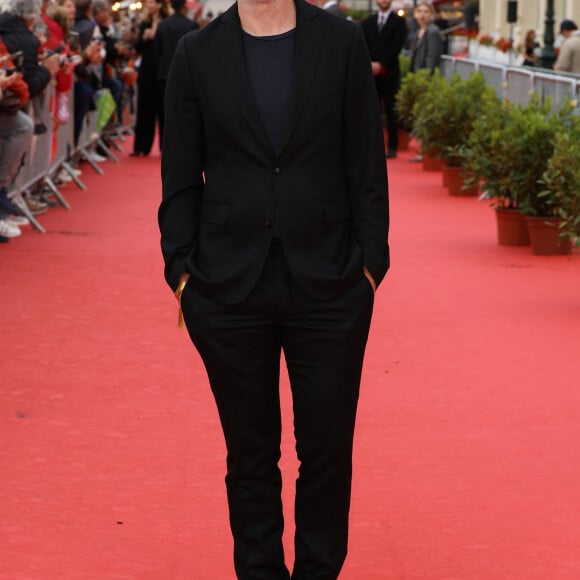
412, 86
537, 130
445, 121
427, 116
561, 182
404, 133
485, 156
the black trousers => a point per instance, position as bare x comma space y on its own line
387, 90
149, 112
323, 342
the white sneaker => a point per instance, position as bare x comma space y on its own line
16, 220
96, 158
63, 176
9, 231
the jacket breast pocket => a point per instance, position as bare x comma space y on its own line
212, 213
337, 210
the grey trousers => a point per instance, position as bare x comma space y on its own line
15, 140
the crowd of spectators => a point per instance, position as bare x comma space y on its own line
85, 50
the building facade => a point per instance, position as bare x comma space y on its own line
531, 16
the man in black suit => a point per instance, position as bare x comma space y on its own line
274, 226
169, 31
385, 34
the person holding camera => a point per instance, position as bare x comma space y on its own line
16, 24
15, 138
16, 31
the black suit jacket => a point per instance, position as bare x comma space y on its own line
384, 47
169, 31
224, 188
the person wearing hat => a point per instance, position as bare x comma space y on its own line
569, 57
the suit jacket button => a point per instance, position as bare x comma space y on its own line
267, 223
277, 171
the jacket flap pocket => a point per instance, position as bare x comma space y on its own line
336, 210
212, 213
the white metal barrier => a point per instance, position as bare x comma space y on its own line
516, 83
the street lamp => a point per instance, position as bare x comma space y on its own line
548, 56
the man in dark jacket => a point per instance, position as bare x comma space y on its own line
274, 227
16, 25
169, 31
385, 34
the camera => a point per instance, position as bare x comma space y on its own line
17, 59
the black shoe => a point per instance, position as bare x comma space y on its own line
4, 240
391, 154
45, 199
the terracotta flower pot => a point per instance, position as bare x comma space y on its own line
512, 229
545, 236
431, 162
404, 139
444, 174
453, 179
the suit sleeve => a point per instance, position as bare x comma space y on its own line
181, 167
365, 162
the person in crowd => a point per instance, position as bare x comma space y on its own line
149, 111
569, 58
65, 77
331, 6
16, 25
427, 46
385, 33
84, 25
529, 49
115, 50
70, 8
92, 52
274, 227
169, 31
16, 130
15, 137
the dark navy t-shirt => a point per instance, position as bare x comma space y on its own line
270, 64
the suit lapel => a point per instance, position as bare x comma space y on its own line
308, 45
231, 48
306, 57
388, 24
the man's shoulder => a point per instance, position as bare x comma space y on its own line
334, 24
399, 21
206, 35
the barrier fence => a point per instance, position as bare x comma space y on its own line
516, 84
53, 150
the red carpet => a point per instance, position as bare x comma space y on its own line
467, 461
